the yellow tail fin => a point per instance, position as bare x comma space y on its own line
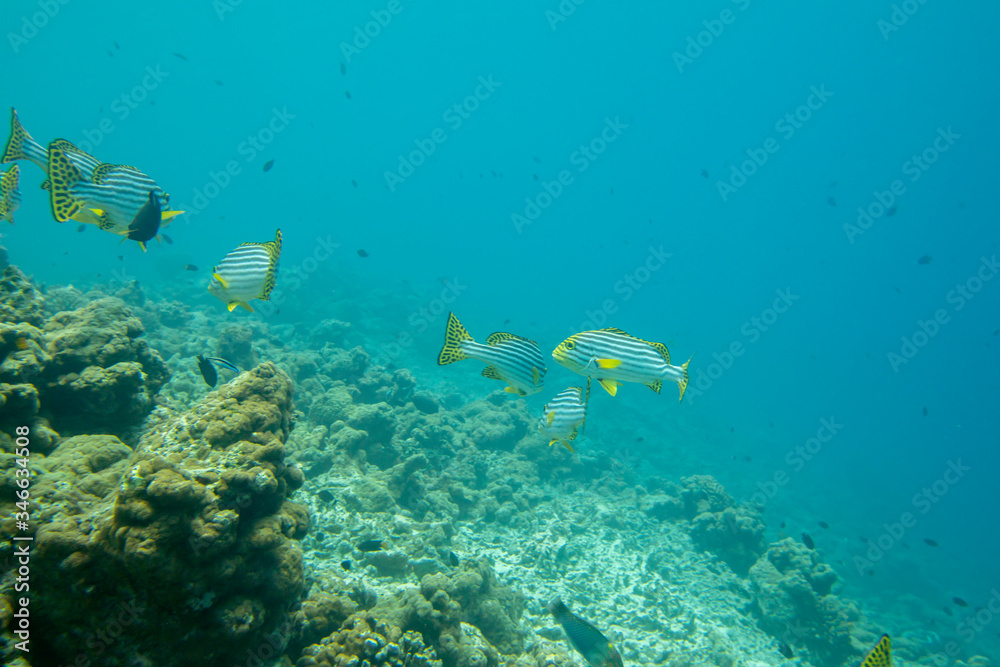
454, 335
684, 383
14, 150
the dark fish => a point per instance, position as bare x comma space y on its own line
948, 611
535, 176
208, 372
925, 411
81, 228
929, 542
121, 258
536, 159
326, 496
782, 524
354, 183
268, 165
167, 239
116, 46
704, 174
362, 253
181, 56
218, 82
960, 602
225, 364
891, 211
824, 525
346, 564
926, 259
588, 641
785, 650
452, 559
146, 222
808, 541
371, 545
343, 68
506, 321
348, 93
190, 267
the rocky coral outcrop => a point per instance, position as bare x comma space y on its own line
192, 537
735, 533
20, 301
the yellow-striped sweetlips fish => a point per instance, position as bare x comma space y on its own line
588, 641
110, 197
880, 655
564, 415
10, 195
246, 273
512, 359
611, 356
21, 146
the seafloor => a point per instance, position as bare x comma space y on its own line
178, 525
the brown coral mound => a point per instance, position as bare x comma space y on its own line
186, 549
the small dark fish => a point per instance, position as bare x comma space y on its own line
535, 176
167, 239
785, 650
506, 321
181, 56
118, 48
808, 541
348, 93
960, 602
146, 222
926, 259
354, 183
536, 159
343, 68
948, 611
346, 564
891, 211
612, 190
704, 173
81, 228
362, 252
208, 372
452, 559
831, 201
925, 411
824, 525
588, 641
190, 267
929, 542
326, 496
371, 545
110, 55
121, 258
782, 524
268, 165
218, 82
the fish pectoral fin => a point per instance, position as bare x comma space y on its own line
610, 386
98, 212
222, 281
511, 389
142, 245
608, 363
245, 306
536, 376
550, 417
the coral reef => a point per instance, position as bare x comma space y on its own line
733, 533
365, 640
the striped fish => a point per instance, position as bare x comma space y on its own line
10, 196
564, 415
512, 359
589, 642
21, 146
110, 197
248, 272
880, 655
612, 356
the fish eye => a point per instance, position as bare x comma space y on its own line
571, 345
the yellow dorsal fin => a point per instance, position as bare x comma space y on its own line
608, 363
500, 336
63, 175
662, 349
880, 655
454, 335
610, 386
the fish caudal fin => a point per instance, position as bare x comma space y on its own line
454, 335
881, 655
20, 145
682, 384
63, 175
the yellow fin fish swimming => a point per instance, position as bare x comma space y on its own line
565, 415
612, 356
509, 358
248, 272
10, 195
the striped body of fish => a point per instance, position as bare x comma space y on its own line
880, 655
21, 146
564, 415
611, 356
10, 195
588, 641
246, 273
110, 197
512, 359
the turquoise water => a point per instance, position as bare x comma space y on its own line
656, 227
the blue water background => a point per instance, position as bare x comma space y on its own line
560, 83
